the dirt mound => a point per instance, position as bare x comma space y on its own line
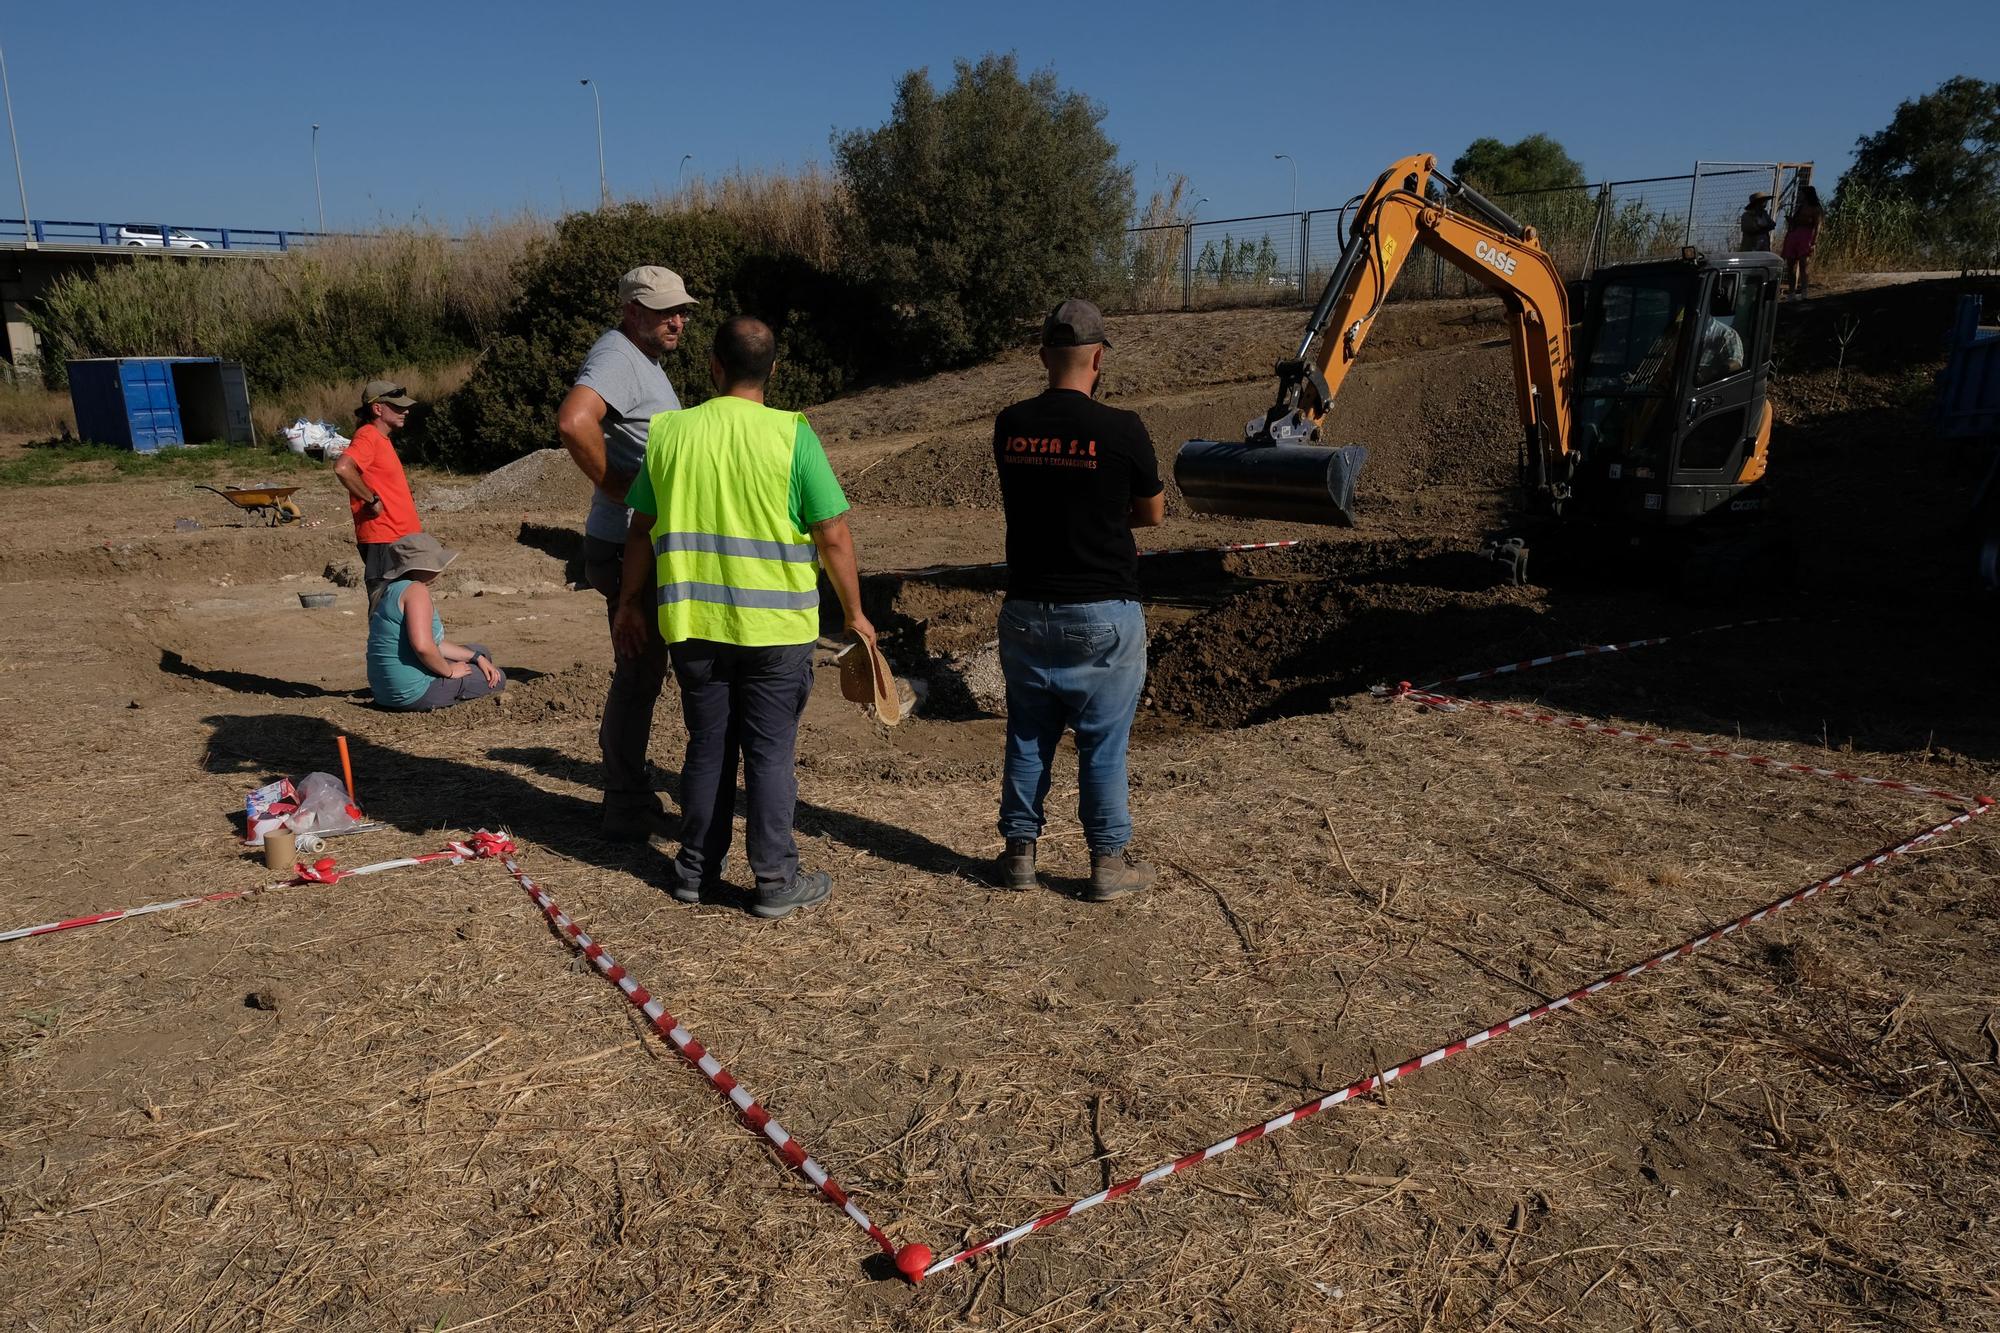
1882, 330
1436, 419
1337, 620
545, 479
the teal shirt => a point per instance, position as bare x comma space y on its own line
395, 675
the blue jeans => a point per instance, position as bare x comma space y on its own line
1077, 665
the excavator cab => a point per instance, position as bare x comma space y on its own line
1672, 423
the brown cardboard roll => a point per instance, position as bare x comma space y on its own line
865, 679
281, 849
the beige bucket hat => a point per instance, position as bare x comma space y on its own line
865, 678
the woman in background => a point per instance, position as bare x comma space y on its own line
1801, 234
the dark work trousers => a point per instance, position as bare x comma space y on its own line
374, 564
635, 688
745, 701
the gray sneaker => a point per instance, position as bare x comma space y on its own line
808, 888
1117, 875
1016, 867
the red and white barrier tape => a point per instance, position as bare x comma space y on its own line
1594, 650
929, 570
1464, 1043
97, 918
752, 1112
480, 846
1585, 725
324, 871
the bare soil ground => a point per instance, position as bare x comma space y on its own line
401, 1103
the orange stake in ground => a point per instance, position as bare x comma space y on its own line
346, 768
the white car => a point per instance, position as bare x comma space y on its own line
176, 238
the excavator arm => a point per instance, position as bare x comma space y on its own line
1409, 203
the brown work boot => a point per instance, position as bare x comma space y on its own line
1117, 874
1016, 866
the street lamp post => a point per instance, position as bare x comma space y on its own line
680, 177
20, 177
603, 190
317, 192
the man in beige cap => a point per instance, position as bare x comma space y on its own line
378, 494
603, 423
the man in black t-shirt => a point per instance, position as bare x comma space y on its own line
1076, 477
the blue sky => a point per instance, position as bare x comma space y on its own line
198, 113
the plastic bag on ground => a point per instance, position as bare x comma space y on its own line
315, 437
323, 806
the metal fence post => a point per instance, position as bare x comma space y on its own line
1601, 235
1305, 248
1694, 189
1187, 266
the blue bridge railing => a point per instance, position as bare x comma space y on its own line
148, 235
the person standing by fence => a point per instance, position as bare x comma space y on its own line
1757, 224
1801, 235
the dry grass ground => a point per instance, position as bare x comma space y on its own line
433, 1116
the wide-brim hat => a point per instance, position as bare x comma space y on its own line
416, 554
865, 678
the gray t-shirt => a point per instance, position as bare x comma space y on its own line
633, 388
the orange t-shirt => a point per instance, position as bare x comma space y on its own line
383, 472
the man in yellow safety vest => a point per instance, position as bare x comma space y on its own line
735, 511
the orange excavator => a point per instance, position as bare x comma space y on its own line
1648, 416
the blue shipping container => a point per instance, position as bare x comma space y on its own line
144, 403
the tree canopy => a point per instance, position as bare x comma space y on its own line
1940, 155
977, 209
1534, 163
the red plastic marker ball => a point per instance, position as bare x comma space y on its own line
324, 865
912, 1260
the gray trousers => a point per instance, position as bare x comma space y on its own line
740, 702
635, 687
444, 691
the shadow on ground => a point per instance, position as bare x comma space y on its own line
417, 793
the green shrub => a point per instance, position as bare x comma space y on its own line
977, 209
568, 298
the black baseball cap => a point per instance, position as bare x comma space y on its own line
1074, 323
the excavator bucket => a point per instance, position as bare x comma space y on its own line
1294, 483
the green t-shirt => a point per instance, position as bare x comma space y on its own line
815, 495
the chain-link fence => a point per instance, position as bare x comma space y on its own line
1285, 258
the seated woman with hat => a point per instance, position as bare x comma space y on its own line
412, 667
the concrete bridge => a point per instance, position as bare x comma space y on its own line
36, 252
